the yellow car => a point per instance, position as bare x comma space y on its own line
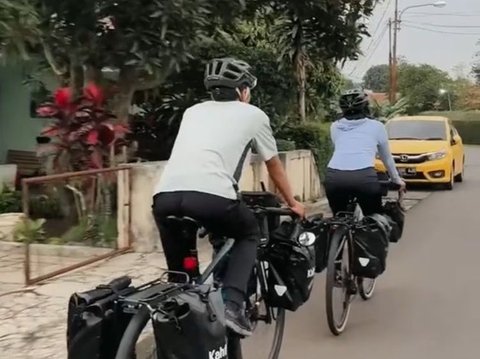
426, 149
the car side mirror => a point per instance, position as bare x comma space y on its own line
453, 142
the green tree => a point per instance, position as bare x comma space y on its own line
421, 84
476, 72
468, 97
313, 32
377, 78
386, 111
143, 41
18, 28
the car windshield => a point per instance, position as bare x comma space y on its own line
420, 130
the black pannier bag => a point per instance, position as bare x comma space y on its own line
396, 215
96, 322
318, 226
371, 247
291, 269
191, 325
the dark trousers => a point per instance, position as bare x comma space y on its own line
221, 216
342, 186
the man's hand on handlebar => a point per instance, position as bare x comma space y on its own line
298, 208
403, 186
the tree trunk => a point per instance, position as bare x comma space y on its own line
93, 74
301, 77
126, 89
76, 76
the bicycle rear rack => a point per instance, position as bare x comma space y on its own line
150, 294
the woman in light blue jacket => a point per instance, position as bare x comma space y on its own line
357, 139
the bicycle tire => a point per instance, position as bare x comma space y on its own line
278, 336
273, 351
278, 321
366, 292
127, 347
336, 240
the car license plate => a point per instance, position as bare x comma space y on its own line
409, 171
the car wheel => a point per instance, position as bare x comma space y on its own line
459, 178
449, 185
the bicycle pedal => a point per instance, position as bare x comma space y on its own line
352, 288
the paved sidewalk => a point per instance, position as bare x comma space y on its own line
33, 320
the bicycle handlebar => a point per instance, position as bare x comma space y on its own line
390, 185
279, 211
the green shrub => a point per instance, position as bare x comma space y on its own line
469, 131
45, 206
312, 136
10, 200
456, 115
30, 231
466, 122
286, 145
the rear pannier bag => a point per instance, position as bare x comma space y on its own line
191, 325
318, 226
291, 269
371, 247
396, 215
96, 322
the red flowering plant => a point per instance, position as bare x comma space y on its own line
83, 133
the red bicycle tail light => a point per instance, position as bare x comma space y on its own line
190, 264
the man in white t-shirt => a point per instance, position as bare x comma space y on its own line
201, 178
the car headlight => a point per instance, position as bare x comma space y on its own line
437, 155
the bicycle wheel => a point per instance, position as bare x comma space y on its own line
366, 287
268, 322
138, 341
339, 281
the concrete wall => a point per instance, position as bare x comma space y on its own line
300, 167
18, 131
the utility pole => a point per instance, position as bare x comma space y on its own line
390, 22
394, 70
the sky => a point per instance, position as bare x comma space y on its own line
447, 37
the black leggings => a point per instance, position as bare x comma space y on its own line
342, 186
221, 216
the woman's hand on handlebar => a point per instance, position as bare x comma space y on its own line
298, 208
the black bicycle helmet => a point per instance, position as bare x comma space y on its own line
355, 102
228, 72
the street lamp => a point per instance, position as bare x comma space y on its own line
443, 92
438, 4
393, 53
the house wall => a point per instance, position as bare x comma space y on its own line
299, 165
18, 131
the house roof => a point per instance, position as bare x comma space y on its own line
379, 97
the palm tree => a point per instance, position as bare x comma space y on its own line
385, 111
318, 33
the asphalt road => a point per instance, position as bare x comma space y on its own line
427, 304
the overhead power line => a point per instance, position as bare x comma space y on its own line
380, 22
442, 32
443, 25
379, 40
473, 14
